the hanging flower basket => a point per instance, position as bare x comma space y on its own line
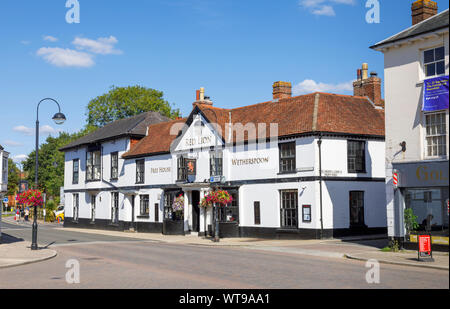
31, 198
178, 204
220, 197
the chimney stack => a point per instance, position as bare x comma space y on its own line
367, 86
282, 90
422, 10
201, 98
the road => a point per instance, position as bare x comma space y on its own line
113, 262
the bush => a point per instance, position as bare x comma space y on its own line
50, 217
51, 206
410, 220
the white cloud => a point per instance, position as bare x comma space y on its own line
47, 130
19, 158
103, 46
66, 57
24, 130
11, 143
44, 130
25, 42
325, 10
50, 38
323, 7
309, 86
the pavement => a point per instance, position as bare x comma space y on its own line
17, 252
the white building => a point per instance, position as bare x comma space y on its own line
416, 132
3, 181
304, 167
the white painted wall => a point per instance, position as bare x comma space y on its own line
404, 76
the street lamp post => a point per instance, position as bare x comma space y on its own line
59, 119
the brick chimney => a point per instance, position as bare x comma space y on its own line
366, 86
201, 98
282, 90
422, 10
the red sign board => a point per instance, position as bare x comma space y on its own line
424, 245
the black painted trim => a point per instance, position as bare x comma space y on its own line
243, 182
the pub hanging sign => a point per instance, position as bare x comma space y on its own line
435, 94
191, 167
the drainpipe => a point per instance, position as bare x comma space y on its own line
319, 143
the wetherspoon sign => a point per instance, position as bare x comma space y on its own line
435, 94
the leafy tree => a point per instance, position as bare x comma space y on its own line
51, 163
124, 102
13, 177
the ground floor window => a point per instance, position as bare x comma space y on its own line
145, 201
76, 206
230, 213
93, 205
169, 198
115, 208
357, 209
289, 208
430, 205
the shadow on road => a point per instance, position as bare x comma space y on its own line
8, 239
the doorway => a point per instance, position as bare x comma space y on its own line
195, 211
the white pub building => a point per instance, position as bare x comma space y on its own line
310, 166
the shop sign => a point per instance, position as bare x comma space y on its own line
425, 247
423, 174
435, 94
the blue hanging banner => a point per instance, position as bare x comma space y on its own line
435, 94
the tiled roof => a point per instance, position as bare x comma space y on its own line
133, 126
434, 23
317, 112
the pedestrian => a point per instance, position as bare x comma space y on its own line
17, 215
27, 213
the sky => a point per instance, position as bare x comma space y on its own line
236, 49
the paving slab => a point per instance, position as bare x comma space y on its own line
16, 253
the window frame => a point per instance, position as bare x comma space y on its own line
140, 171
75, 180
212, 163
289, 214
424, 65
355, 170
232, 209
292, 158
156, 206
76, 206
426, 136
92, 164
144, 205
115, 201
115, 165
181, 169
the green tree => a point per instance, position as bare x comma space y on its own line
13, 177
124, 102
51, 163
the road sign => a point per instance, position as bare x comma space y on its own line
6, 200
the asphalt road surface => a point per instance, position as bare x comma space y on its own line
124, 263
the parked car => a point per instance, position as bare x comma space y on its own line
59, 213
